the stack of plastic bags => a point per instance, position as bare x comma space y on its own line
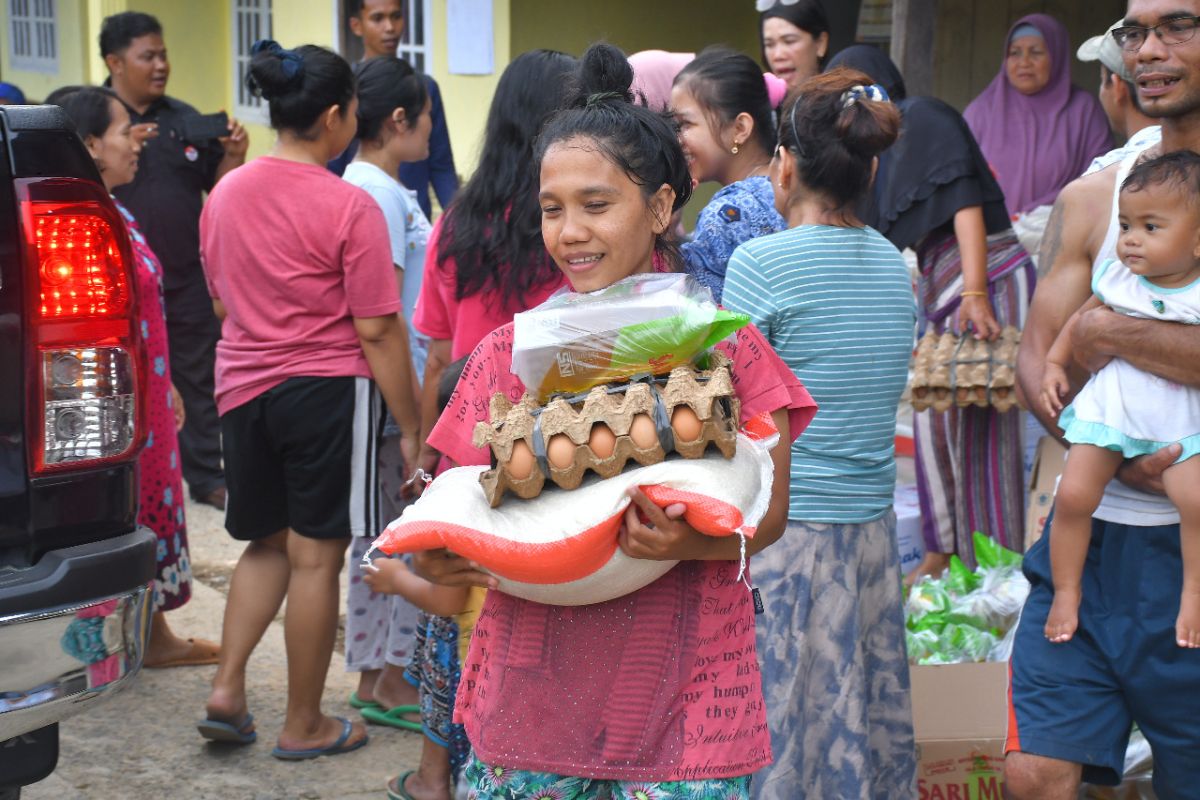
967, 616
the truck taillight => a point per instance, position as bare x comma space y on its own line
87, 357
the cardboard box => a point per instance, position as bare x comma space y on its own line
909, 540
960, 717
1047, 466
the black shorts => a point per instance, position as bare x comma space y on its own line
302, 456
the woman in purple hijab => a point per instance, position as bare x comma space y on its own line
1037, 131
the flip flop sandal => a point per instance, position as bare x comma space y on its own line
393, 717
400, 792
216, 730
337, 748
355, 702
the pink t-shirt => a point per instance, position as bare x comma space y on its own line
295, 253
441, 315
660, 685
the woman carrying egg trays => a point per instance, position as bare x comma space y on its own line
598, 359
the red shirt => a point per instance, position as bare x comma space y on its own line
441, 315
295, 254
660, 685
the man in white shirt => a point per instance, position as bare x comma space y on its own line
1072, 704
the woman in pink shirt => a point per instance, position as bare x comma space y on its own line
300, 271
655, 694
485, 260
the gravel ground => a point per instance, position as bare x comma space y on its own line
143, 743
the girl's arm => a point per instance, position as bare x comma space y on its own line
971, 234
667, 537
435, 364
392, 576
385, 344
1056, 384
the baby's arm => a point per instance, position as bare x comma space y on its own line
1055, 382
392, 576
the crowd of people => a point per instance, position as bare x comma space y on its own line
320, 343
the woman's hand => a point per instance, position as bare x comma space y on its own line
409, 448
977, 312
665, 536
1055, 386
177, 407
445, 568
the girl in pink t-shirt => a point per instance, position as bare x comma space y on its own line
657, 692
479, 273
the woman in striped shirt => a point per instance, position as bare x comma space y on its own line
833, 298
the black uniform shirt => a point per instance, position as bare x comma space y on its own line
168, 193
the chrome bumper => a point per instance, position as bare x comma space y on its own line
56, 663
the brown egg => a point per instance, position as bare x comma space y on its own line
520, 465
685, 423
602, 441
560, 452
642, 432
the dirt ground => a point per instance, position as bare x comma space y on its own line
143, 743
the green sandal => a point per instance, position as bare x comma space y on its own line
393, 717
355, 702
400, 793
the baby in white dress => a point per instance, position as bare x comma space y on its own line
1124, 412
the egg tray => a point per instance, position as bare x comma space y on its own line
959, 370
708, 393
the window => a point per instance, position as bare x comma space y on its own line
251, 22
418, 35
414, 44
33, 36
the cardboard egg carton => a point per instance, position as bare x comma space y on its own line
708, 393
951, 369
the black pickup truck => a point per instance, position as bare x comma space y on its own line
76, 571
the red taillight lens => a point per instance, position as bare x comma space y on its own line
87, 357
80, 267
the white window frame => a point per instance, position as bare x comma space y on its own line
33, 35
410, 48
257, 15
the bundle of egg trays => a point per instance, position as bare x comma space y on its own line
607, 427
958, 369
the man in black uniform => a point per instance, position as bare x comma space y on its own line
166, 198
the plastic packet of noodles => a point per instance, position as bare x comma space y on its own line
642, 324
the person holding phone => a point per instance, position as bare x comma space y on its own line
179, 164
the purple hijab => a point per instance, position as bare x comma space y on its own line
1037, 144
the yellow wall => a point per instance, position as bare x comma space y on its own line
632, 25
467, 97
72, 67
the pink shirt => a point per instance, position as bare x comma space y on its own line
660, 685
295, 253
441, 315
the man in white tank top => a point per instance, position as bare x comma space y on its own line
1072, 704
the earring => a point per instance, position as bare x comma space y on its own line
734, 149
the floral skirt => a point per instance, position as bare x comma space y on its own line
497, 783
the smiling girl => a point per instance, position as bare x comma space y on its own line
609, 700
721, 104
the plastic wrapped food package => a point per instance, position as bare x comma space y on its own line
642, 324
967, 616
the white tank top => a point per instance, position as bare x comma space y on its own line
1122, 504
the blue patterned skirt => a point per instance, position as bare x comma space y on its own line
834, 667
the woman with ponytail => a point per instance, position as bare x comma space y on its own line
833, 297
300, 271
722, 104
615, 699
936, 194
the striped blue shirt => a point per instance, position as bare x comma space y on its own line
837, 305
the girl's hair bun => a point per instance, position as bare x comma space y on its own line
604, 74
274, 69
